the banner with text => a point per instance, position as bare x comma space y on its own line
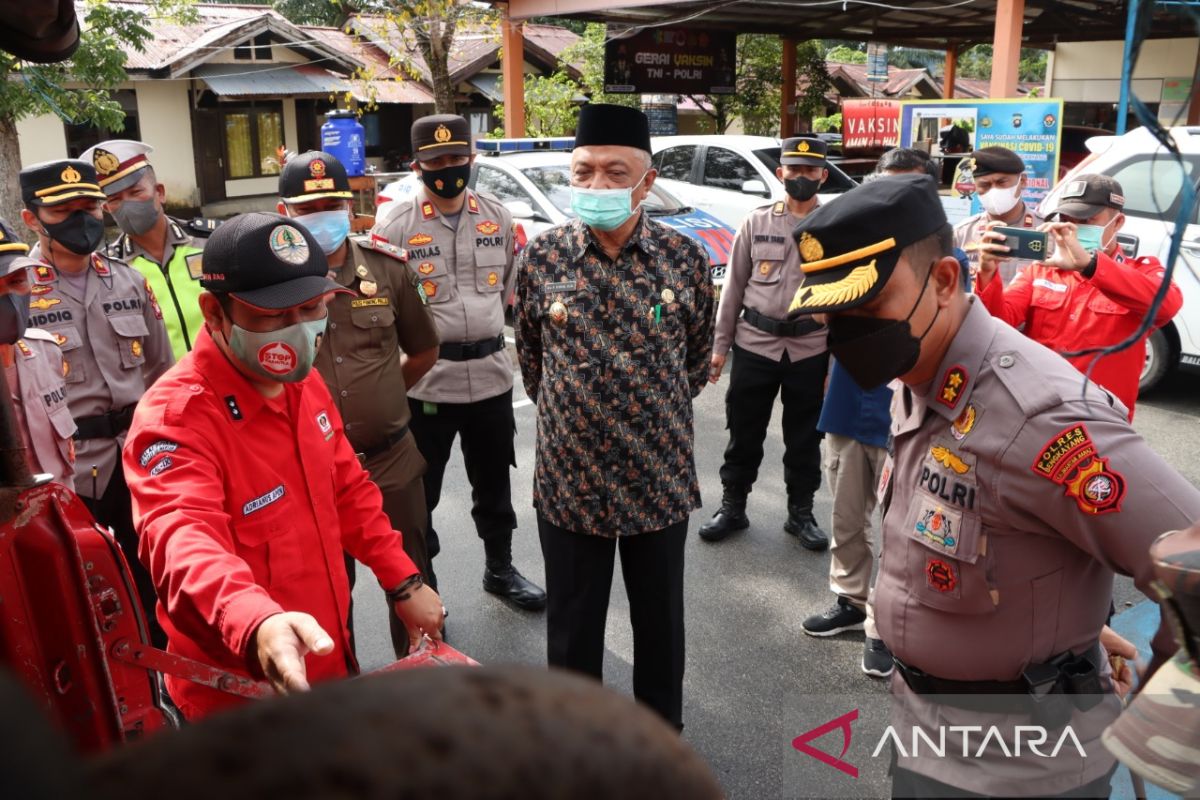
671, 61
951, 129
870, 124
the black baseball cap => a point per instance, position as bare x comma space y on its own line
12, 250
850, 248
1086, 196
311, 176
266, 261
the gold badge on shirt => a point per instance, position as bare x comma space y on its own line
368, 288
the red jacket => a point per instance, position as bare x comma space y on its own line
1067, 312
243, 507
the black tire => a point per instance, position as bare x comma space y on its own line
1158, 361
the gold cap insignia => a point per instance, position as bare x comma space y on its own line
803, 147
442, 134
105, 162
316, 168
71, 175
810, 248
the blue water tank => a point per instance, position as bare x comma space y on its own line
343, 137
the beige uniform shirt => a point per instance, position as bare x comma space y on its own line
42, 393
115, 345
967, 233
764, 274
1010, 501
466, 274
360, 356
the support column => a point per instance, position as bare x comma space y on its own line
513, 71
787, 97
951, 71
1006, 47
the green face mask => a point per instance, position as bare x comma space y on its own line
285, 355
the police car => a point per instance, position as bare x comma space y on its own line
1153, 183
531, 177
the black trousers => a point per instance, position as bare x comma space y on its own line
114, 509
485, 430
579, 572
754, 381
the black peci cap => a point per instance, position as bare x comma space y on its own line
266, 261
311, 176
604, 124
849, 248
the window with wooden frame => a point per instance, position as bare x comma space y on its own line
253, 136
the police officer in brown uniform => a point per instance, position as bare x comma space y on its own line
1011, 497
380, 340
772, 354
999, 176
460, 245
33, 366
111, 332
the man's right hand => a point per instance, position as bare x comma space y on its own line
280, 644
715, 367
991, 250
422, 614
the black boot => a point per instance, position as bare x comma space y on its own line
803, 525
730, 517
501, 578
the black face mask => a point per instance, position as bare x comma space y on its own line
448, 182
801, 188
81, 233
873, 350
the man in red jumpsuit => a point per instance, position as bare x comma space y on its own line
245, 488
1087, 294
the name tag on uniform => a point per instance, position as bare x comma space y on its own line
560, 286
370, 301
1054, 287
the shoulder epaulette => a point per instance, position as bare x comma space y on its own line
202, 226
779, 208
378, 244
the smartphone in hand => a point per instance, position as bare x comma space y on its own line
1025, 243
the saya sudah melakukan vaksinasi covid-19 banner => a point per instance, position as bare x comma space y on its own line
951, 129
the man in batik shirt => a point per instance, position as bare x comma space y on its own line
614, 324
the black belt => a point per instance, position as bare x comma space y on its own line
780, 327
467, 351
1063, 674
105, 426
378, 449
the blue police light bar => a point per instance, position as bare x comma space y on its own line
495, 147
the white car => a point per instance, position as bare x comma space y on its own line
1153, 183
729, 176
536, 187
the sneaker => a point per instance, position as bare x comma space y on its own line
842, 616
877, 660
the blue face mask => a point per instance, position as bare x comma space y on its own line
603, 209
1090, 236
329, 228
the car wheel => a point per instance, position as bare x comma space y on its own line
1158, 361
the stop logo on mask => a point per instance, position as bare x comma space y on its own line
277, 357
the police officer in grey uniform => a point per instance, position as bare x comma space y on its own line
111, 332
1011, 497
460, 245
33, 365
999, 176
772, 354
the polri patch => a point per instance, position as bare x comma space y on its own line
262, 501
949, 459
1070, 459
938, 528
940, 575
952, 386
156, 449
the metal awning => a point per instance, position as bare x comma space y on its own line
269, 80
488, 84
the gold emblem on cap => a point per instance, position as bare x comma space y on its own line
105, 162
316, 168
803, 146
368, 288
810, 248
558, 312
71, 175
668, 296
442, 134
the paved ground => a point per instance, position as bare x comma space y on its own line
750, 669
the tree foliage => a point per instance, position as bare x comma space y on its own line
846, 55
976, 62
550, 107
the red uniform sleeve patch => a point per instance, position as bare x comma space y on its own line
940, 575
1070, 459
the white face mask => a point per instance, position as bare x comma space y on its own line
998, 201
